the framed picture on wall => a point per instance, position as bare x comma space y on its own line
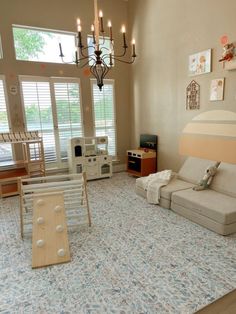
200, 63
217, 89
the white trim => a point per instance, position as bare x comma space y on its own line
62, 79
2, 77
51, 80
44, 29
55, 122
29, 78
112, 82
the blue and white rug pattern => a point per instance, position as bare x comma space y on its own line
136, 258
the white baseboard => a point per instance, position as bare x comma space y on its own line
115, 168
119, 168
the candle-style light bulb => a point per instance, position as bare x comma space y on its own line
93, 32
79, 29
124, 39
110, 28
101, 21
78, 25
133, 48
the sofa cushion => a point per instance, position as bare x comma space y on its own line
163, 202
166, 191
173, 186
225, 179
204, 221
194, 169
209, 203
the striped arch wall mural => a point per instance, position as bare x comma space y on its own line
211, 135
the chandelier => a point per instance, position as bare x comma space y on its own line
102, 58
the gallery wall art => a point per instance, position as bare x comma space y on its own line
193, 96
200, 63
217, 89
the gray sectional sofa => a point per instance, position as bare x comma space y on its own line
214, 208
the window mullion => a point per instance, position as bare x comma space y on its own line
4, 106
104, 113
55, 122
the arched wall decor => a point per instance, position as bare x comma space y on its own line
211, 135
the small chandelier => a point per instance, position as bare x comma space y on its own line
102, 58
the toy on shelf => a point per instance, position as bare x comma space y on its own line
50, 243
229, 53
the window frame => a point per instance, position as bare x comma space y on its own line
111, 81
3, 79
100, 39
58, 164
34, 28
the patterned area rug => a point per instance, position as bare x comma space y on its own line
137, 258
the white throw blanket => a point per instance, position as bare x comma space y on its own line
153, 184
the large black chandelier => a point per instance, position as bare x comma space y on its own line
102, 58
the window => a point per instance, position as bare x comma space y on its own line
34, 44
104, 113
105, 42
68, 108
5, 149
53, 107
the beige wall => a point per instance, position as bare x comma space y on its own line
167, 32
61, 15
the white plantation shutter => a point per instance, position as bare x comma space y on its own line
68, 109
104, 113
53, 106
5, 149
38, 113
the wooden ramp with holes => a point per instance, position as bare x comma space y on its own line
75, 201
49, 235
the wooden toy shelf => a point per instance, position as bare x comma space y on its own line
32, 164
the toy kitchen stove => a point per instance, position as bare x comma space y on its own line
143, 161
90, 155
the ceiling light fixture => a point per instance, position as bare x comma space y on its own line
102, 58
